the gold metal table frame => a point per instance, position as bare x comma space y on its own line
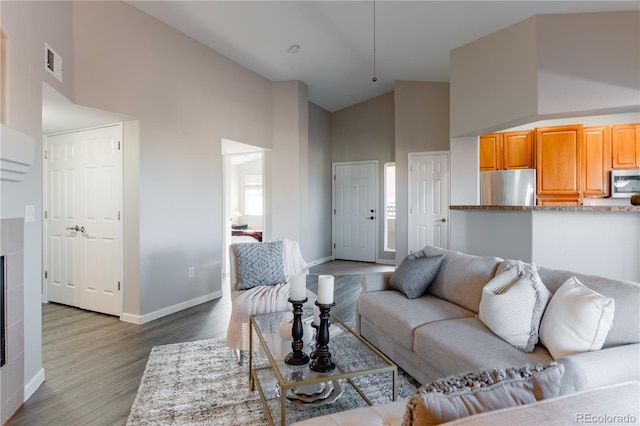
265, 328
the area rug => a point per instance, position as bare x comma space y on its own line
200, 383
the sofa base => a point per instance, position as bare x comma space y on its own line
610, 404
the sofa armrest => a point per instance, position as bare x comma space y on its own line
375, 281
600, 368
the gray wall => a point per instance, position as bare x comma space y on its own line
493, 80
546, 66
366, 132
422, 125
183, 112
599, 72
289, 159
317, 224
27, 25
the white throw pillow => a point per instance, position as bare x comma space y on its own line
577, 319
512, 305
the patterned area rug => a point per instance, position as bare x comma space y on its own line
198, 383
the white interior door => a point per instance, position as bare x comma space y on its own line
84, 227
428, 201
355, 201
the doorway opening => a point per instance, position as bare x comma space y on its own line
244, 195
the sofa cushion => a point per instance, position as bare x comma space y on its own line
466, 394
414, 274
625, 293
617, 402
260, 264
397, 317
461, 277
512, 305
577, 320
465, 344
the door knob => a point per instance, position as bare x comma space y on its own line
76, 228
371, 218
443, 220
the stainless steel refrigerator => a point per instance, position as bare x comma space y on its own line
508, 187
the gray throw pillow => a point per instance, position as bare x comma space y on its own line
455, 397
260, 264
415, 274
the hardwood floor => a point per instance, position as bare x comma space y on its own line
93, 362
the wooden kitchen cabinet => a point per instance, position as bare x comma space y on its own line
506, 151
625, 146
491, 157
559, 164
597, 161
518, 150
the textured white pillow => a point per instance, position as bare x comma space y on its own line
577, 319
512, 305
454, 397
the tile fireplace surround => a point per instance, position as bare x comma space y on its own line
12, 373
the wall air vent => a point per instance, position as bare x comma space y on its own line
53, 62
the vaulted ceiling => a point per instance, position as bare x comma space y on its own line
329, 45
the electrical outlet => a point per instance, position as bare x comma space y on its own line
192, 272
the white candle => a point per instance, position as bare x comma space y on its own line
298, 289
316, 315
325, 289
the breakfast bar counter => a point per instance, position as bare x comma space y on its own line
628, 208
600, 240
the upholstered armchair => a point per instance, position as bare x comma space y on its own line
259, 281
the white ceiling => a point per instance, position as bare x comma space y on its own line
413, 40
335, 60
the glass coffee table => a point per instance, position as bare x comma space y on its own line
292, 393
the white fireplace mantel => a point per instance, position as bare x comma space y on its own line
16, 154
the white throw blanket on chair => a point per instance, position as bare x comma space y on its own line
262, 299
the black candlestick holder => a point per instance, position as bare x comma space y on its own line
322, 363
296, 356
312, 355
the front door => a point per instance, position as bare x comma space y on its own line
355, 189
428, 201
83, 219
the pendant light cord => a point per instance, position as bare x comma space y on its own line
374, 79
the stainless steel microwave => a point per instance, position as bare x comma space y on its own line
625, 183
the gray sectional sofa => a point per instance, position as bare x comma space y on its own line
440, 334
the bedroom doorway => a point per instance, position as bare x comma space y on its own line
244, 195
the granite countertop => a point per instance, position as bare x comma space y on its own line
629, 208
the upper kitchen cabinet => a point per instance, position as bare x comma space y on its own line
491, 157
518, 150
625, 146
597, 161
559, 162
506, 151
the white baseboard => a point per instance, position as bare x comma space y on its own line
386, 261
32, 385
320, 261
141, 319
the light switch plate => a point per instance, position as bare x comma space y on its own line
30, 213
